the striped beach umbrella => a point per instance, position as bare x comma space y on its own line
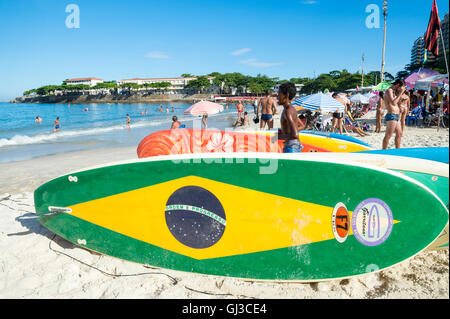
204, 108
319, 102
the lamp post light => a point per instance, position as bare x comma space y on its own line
385, 3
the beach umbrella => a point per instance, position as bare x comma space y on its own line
422, 73
359, 98
382, 86
319, 102
369, 95
203, 108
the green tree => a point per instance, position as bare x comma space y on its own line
199, 83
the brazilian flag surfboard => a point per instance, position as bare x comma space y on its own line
256, 216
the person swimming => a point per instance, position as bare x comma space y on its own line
175, 123
38, 119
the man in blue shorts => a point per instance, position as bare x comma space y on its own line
289, 128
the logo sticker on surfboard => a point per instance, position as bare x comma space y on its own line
340, 222
195, 217
372, 222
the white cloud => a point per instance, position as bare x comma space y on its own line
309, 2
241, 51
157, 55
258, 64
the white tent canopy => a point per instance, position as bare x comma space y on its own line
435, 80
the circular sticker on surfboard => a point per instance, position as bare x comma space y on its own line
340, 222
372, 222
195, 217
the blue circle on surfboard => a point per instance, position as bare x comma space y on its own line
195, 217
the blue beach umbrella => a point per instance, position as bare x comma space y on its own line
319, 102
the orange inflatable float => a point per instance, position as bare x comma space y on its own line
188, 141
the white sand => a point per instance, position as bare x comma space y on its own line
32, 264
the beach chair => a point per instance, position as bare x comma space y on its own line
414, 116
326, 122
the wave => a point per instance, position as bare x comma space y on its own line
19, 140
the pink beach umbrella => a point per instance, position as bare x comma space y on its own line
204, 108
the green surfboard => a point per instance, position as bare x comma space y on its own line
275, 217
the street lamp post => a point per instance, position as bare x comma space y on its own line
384, 39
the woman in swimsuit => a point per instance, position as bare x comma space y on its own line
380, 112
404, 105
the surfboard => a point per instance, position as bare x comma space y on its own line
261, 216
337, 136
438, 154
432, 174
187, 141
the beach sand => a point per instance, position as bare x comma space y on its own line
35, 263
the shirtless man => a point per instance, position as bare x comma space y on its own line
268, 109
392, 99
404, 105
289, 128
57, 125
175, 123
338, 117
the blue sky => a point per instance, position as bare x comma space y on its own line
165, 38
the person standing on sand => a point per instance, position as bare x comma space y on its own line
268, 110
392, 99
205, 121
289, 122
338, 117
57, 125
404, 105
380, 112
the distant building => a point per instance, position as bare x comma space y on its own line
86, 81
420, 55
177, 84
298, 87
444, 28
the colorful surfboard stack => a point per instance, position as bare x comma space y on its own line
339, 209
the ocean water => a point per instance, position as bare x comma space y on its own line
102, 126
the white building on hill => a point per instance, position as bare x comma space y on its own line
87, 81
176, 83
